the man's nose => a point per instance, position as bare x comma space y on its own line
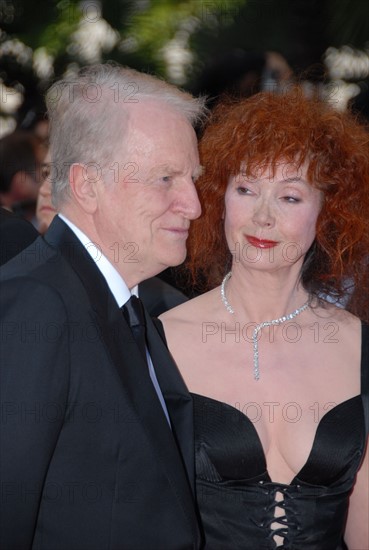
188, 200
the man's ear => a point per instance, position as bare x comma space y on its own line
83, 187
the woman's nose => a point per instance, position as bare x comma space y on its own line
263, 215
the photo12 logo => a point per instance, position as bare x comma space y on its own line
247, 252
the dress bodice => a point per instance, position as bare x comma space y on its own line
236, 497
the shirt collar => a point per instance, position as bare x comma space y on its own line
115, 282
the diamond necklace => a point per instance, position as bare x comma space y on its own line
258, 328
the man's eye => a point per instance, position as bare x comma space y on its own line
166, 179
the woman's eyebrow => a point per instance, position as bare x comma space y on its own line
294, 179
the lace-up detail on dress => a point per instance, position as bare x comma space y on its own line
278, 523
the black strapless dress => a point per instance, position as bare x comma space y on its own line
236, 497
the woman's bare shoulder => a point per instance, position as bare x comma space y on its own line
328, 312
338, 326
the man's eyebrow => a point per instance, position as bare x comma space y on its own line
169, 170
163, 168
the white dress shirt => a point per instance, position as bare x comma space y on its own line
118, 288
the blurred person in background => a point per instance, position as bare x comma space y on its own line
45, 211
239, 73
21, 156
32, 117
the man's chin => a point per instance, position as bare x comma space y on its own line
174, 260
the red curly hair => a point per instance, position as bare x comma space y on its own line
268, 129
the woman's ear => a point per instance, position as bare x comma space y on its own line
83, 187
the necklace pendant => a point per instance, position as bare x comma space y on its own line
256, 353
257, 329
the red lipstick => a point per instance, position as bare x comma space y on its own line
261, 243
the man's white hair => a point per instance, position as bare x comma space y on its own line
88, 113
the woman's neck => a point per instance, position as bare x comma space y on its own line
256, 296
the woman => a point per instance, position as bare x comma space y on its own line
279, 375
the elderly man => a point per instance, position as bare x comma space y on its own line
96, 441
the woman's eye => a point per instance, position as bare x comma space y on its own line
243, 191
292, 199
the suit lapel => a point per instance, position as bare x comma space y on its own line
59, 236
177, 398
133, 371
137, 383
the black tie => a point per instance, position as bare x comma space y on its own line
134, 314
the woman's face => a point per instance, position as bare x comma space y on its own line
270, 220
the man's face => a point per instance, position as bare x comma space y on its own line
145, 208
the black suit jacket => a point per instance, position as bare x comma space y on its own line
159, 296
88, 461
15, 235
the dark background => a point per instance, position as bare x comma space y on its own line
145, 31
